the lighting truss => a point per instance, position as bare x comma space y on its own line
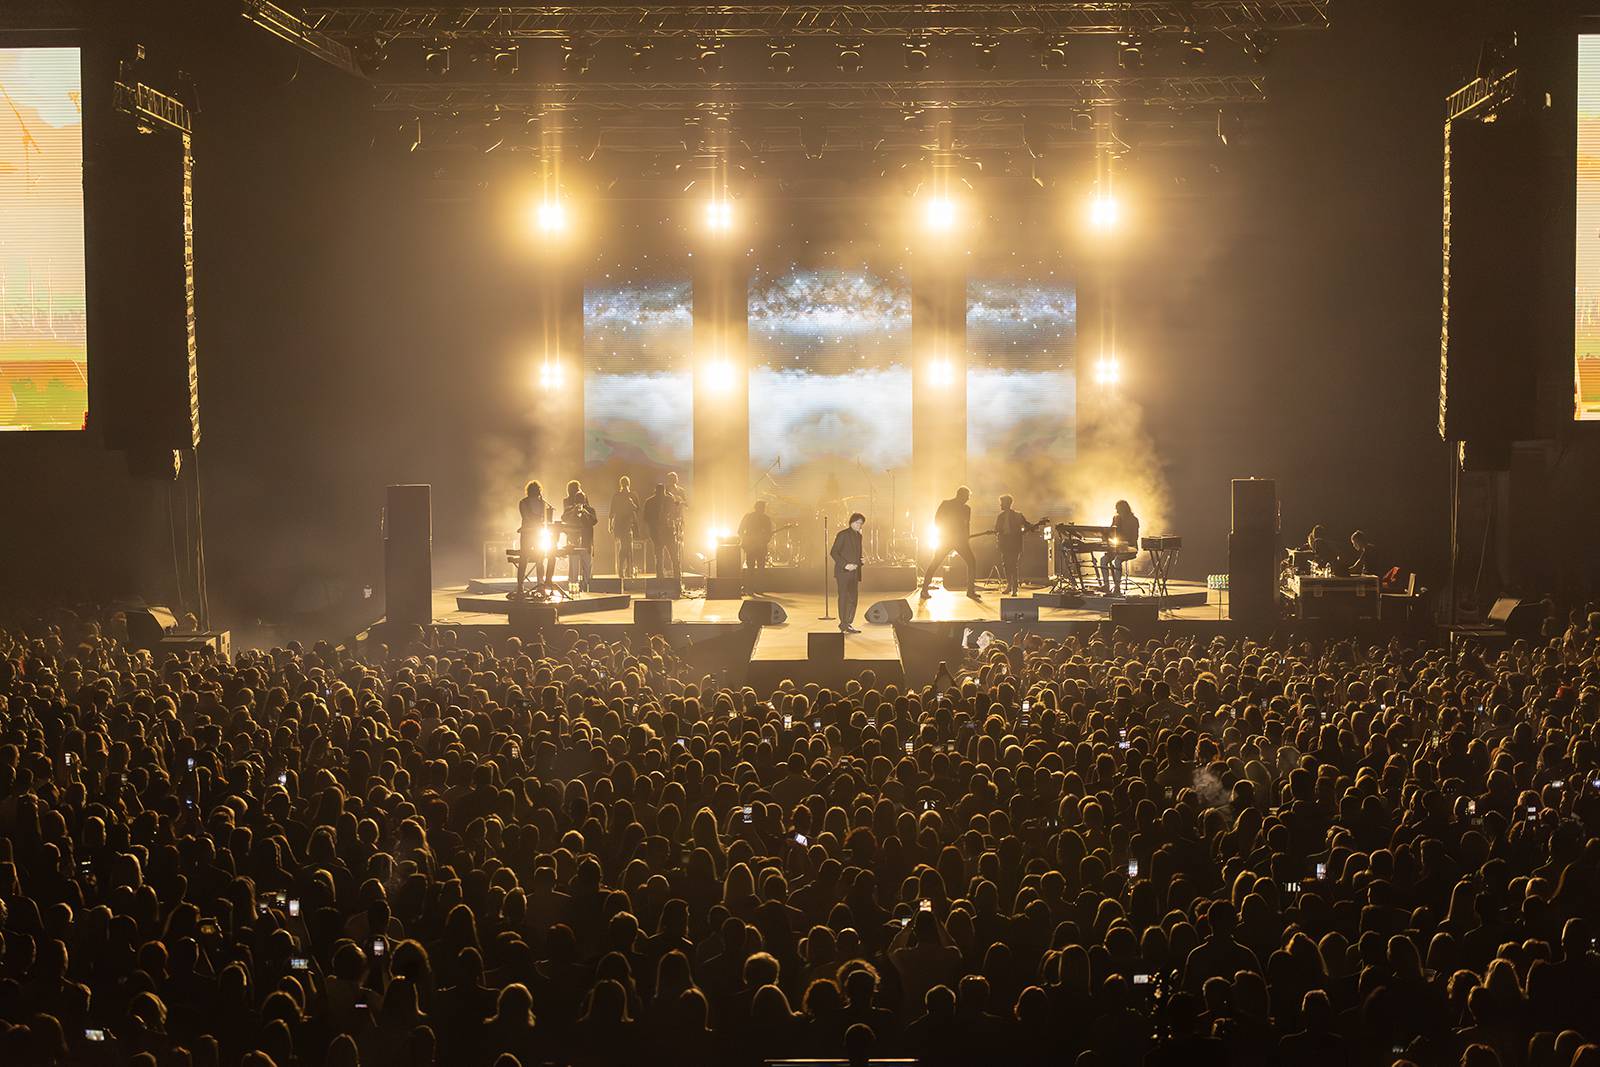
289, 25
151, 107
852, 95
815, 19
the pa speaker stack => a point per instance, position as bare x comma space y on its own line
1253, 552
408, 555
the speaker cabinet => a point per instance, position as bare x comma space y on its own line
1517, 618
730, 561
1252, 577
729, 588
1135, 615
408, 554
889, 611
1255, 505
1017, 609
825, 647
526, 616
762, 613
652, 614
147, 626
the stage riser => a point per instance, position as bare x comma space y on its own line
586, 604
773, 580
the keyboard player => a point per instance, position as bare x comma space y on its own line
1124, 547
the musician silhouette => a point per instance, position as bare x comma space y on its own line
953, 522
1126, 524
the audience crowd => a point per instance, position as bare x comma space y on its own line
1092, 851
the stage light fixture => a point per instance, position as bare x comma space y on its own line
551, 216
780, 57
1108, 371
1258, 45
718, 376
941, 373
1105, 211
1130, 52
987, 50
719, 215
505, 60
436, 59
916, 54
1053, 53
708, 56
850, 60
641, 55
552, 375
931, 537
1193, 46
939, 214
577, 54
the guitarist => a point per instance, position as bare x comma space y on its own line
1010, 528
755, 535
953, 521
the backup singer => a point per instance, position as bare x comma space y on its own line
662, 521
623, 522
953, 521
846, 555
755, 536
579, 520
1126, 524
1010, 528
536, 514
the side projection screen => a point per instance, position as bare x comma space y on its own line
44, 382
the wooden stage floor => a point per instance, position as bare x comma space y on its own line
788, 640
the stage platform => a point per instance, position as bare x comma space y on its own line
775, 580
457, 606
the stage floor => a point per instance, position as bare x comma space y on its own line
788, 640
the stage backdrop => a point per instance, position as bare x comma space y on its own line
43, 352
830, 382
639, 382
1587, 308
1021, 389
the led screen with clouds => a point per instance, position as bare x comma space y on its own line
639, 384
1587, 308
1021, 387
43, 352
830, 380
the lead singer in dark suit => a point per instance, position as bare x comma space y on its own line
846, 553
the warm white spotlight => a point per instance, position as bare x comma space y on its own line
940, 214
718, 375
1108, 371
933, 537
547, 539
1105, 211
551, 216
551, 375
941, 373
719, 215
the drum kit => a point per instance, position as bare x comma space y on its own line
799, 544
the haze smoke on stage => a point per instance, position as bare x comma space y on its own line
1116, 460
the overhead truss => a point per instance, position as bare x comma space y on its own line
978, 94
814, 19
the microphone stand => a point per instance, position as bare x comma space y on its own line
826, 614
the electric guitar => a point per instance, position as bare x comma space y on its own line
1027, 528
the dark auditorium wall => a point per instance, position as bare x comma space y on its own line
354, 330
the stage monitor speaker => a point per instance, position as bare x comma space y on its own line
147, 626
1135, 614
1252, 577
408, 554
720, 588
1255, 505
889, 611
1017, 609
730, 561
532, 616
1516, 617
1494, 333
652, 614
825, 647
663, 588
762, 612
